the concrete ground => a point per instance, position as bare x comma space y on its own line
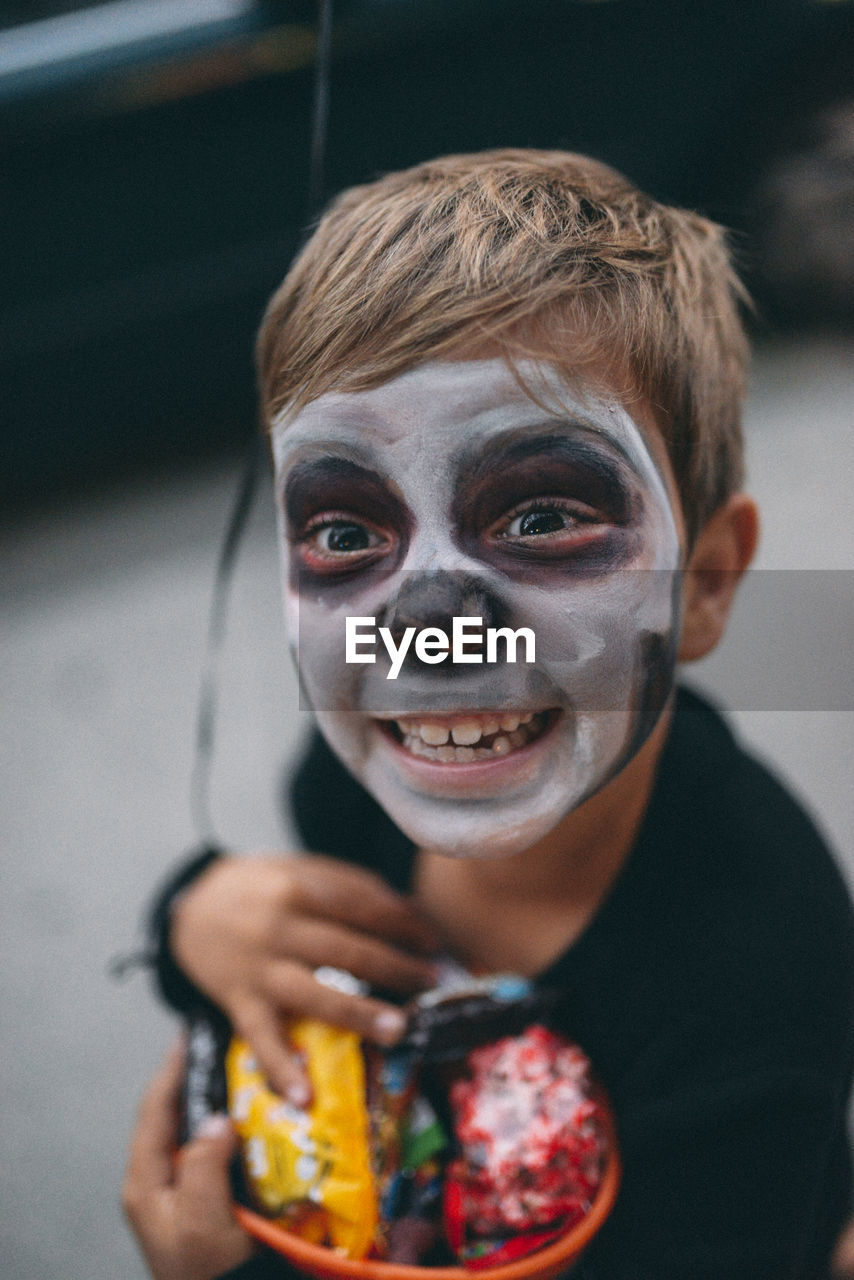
101, 641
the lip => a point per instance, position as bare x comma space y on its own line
450, 779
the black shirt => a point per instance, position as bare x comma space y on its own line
714, 994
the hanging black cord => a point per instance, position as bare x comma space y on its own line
200, 782
320, 112
173, 984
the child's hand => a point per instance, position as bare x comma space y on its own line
251, 931
843, 1256
180, 1211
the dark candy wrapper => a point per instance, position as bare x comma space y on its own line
446, 1023
204, 1092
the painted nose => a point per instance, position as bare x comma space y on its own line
435, 598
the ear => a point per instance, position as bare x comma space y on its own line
722, 552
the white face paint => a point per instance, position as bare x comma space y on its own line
450, 492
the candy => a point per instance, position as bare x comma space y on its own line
406, 1141
479, 1137
532, 1142
309, 1168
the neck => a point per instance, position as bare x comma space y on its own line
522, 910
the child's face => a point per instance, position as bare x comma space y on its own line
450, 492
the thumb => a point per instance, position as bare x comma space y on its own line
202, 1181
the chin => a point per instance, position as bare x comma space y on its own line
463, 832
441, 781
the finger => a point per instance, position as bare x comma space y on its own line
297, 991
261, 1025
359, 898
317, 942
202, 1180
843, 1257
149, 1165
203, 1191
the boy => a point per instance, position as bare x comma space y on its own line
507, 387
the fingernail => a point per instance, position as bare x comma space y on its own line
389, 1025
298, 1094
215, 1126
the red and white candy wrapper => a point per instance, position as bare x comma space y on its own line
532, 1142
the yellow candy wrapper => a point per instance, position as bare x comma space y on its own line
309, 1169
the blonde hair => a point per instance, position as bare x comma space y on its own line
538, 253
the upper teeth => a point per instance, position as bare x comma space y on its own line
465, 732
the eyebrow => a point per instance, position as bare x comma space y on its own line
313, 475
577, 441
324, 459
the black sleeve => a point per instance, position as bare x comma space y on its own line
175, 988
732, 1170
715, 995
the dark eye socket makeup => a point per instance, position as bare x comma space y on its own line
530, 497
572, 467
337, 541
317, 486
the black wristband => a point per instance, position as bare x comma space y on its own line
174, 986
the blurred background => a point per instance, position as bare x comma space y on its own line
155, 162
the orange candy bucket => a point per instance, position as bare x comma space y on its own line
545, 1264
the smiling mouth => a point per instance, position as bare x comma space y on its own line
469, 738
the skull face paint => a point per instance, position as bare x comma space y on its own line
449, 491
